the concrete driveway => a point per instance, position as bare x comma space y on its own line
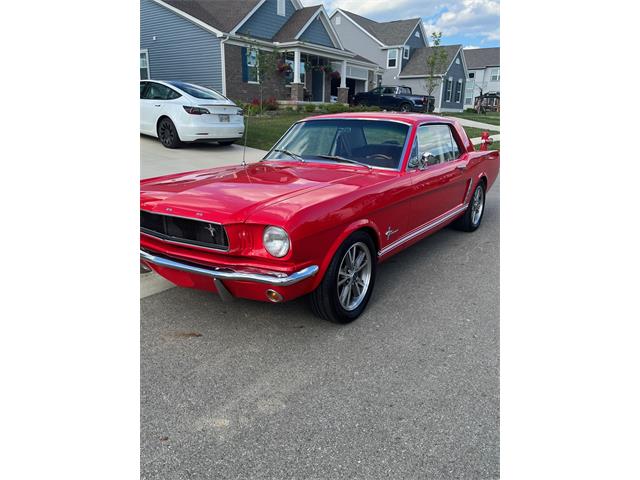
256, 390
156, 160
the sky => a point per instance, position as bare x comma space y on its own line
472, 23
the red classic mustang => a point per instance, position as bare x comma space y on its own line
335, 196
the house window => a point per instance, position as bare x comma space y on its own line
407, 50
449, 91
338, 19
468, 92
458, 61
281, 9
144, 65
418, 34
392, 58
495, 74
472, 75
252, 66
459, 90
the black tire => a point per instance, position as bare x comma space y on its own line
325, 301
167, 133
405, 107
470, 222
226, 143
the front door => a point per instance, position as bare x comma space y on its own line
317, 89
439, 181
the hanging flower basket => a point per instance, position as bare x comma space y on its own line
283, 67
335, 75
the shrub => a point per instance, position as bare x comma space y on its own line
337, 108
470, 110
309, 108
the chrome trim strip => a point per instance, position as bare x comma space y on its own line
416, 232
278, 280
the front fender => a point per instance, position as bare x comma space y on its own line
333, 248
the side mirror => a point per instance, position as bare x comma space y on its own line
427, 159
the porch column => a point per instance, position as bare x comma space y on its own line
297, 89
343, 91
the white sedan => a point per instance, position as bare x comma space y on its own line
177, 112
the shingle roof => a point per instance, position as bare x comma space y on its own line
479, 58
222, 15
417, 65
298, 20
389, 33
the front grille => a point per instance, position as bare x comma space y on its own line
184, 230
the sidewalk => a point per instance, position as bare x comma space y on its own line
472, 123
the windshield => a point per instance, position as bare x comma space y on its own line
198, 92
373, 142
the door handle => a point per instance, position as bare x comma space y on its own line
461, 167
157, 105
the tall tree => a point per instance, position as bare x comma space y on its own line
436, 63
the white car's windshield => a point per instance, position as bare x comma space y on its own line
375, 143
198, 92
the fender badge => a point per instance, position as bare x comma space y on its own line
390, 232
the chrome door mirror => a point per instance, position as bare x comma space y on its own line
427, 159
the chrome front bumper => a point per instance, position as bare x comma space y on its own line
224, 273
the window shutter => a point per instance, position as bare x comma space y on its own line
245, 72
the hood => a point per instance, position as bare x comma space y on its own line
230, 194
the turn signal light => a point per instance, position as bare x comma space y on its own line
274, 296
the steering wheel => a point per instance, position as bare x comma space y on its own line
378, 156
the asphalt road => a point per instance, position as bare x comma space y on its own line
410, 390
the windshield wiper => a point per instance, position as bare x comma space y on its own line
291, 154
342, 159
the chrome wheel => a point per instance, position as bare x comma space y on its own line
354, 276
477, 205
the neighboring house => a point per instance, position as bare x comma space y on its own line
213, 43
483, 65
389, 44
449, 94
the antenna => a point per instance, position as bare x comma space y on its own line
246, 135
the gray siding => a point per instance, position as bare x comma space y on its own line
182, 50
413, 43
316, 33
266, 22
358, 42
456, 71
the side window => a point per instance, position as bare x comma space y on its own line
436, 144
389, 91
377, 91
144, 65
143, 85
157, 92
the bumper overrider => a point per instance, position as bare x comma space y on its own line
218, 274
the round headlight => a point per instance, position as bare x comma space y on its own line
276, 241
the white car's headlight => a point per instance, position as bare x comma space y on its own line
276, 241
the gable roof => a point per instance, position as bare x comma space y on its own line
293, 26
388, 33
479, 58
417, 64
219, 14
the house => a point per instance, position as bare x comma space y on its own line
483, 66
389, 44
214, 43
401, 49
451, 79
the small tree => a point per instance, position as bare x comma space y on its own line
436, 63
267, 66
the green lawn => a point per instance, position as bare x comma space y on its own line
492, 118
265, 131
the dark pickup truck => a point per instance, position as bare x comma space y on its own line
395, 98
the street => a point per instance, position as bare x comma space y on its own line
257, 390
